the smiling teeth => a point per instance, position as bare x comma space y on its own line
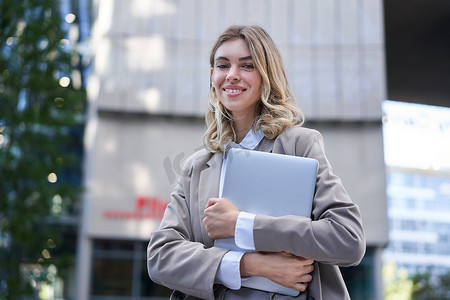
232, 91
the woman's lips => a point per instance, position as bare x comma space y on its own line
233, 91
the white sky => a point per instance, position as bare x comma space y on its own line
416, 136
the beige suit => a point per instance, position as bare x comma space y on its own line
181, 256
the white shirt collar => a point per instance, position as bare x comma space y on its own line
250, 141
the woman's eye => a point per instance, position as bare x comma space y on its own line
221, 66
248, 66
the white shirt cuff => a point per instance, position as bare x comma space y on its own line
229, 272
243, 234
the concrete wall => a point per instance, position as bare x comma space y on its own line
151, 60
152, 55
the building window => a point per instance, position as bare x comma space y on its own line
119, 271
360, 279
112, 276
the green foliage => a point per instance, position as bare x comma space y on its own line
427, 287
38, 116
396, 283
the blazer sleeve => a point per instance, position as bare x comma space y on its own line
334, 234
174, 258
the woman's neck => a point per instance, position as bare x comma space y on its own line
241, 128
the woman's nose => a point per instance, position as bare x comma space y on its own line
233, 74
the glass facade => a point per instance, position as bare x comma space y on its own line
119, 271
419, 223
416, 141
360, 279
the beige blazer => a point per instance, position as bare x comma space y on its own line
181, 256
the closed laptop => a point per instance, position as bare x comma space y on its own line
269, 184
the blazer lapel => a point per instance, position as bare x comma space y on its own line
266, 145
209, 188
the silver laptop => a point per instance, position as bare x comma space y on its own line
269, 184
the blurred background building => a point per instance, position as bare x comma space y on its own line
416, 141
148, 89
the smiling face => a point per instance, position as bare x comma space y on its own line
236, 80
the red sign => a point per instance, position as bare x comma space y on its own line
146, 207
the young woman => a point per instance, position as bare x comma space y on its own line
251, 106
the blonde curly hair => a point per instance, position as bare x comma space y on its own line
276, 110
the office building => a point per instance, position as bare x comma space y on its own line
148, 90
417, 139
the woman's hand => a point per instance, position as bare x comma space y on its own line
220, 218
280, 267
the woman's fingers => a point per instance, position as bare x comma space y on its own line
220, 218
283, 268
211, 202
300, 286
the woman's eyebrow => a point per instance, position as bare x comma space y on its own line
246, 58
240, 59
221, 58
